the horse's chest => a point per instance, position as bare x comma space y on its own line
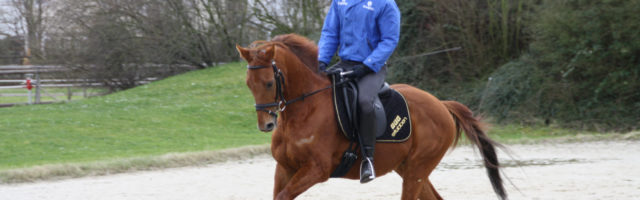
292, 151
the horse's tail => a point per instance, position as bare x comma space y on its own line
474, 130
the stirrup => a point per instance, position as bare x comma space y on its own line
366, 178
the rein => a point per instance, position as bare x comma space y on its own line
280, 102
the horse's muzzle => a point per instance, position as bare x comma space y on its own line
268, 125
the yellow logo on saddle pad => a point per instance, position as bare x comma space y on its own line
397, 124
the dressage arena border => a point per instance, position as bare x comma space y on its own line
175, 160
101, 168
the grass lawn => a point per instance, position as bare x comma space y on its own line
202, 110
514, 133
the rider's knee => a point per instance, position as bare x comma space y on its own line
366, 104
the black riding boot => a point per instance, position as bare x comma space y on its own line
371, 125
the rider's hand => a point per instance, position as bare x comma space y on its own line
359, 71
332, 70
326, 70
322, 66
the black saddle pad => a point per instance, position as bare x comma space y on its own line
395, 107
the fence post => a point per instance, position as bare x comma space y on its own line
28, 78
37, 85
69, 93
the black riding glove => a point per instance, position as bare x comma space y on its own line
359, 71
322, 66
328, 70
332, 70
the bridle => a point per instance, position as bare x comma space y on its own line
280, 102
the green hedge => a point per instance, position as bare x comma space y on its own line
573, 62
590, 52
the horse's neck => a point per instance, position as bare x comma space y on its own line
299, 80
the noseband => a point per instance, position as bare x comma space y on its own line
280, 102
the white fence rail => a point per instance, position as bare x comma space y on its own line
33, 73
61, 83
14, 77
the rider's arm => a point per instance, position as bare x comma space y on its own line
330, 37
389, 26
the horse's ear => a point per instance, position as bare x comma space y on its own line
269, 52
244, 53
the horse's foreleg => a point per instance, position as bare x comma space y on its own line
429, 192
302, 180
281, 179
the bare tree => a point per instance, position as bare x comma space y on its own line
211, 28
117, 40
304, 17
31, 13
3, 33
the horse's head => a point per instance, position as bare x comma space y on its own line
296, 57
262, 82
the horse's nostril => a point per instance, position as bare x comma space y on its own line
270, 126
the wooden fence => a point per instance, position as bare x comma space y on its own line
14, 77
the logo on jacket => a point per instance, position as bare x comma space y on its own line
369, 6
342, 3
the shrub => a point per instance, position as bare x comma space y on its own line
512, 90
489, 32
581, 66
590, 50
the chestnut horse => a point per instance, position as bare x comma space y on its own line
308, 145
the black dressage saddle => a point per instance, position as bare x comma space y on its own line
398, 120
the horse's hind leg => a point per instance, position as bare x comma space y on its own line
411, 188
420, 188
429, 192
414, 180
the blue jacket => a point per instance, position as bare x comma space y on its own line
365, 30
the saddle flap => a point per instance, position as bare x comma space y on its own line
398, 120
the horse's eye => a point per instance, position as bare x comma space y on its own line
270, 84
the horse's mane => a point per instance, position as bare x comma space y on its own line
305, 49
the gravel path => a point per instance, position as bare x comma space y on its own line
592, 170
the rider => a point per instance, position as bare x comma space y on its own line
366, 33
